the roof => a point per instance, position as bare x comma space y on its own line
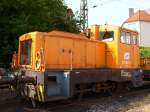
140, 15
66, 34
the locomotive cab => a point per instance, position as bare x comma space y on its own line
122, 50
122, 45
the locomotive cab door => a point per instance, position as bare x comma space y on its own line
135, 50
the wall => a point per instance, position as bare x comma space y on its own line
145, 34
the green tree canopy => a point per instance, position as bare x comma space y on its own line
21, 16
145, 52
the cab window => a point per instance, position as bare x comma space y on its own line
134, 39
128, 38
25, 52
107, 35
125, 38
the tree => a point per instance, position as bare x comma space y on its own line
21, 16
145, 52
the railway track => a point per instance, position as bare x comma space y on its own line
80, 105
88, 100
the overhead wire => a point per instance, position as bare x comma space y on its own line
135, 4
103, 3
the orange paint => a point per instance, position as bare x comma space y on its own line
67, 51
118, 54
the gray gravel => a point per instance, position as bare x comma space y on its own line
134, 101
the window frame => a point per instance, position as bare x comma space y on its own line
107, 39
134, 42
23, 52
123, 40
127, 38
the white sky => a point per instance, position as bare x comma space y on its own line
112, 12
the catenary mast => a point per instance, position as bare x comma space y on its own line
83, 15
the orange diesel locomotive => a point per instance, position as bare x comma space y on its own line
64, 64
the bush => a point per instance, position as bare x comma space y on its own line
145, 52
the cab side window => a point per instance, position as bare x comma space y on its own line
128, 38
134, 39
125, 38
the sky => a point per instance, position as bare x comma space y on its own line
112, 12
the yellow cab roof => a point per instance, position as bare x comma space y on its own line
119, 27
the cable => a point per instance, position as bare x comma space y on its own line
107, 1
135, 3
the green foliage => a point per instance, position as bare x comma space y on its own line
21, 16
145, 52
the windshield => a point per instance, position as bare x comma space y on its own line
25, 52
107, 35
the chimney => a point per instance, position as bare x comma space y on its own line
131, 12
